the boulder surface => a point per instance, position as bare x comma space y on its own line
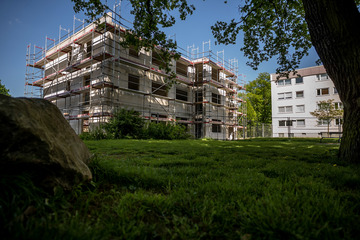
36, 139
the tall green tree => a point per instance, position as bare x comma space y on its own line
285, 29
258, 93
4, 90
247, 108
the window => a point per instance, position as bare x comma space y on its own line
286, 95
299, 80
335, 91
299, 94
323, 122
159, 89
322, 77
214, 74
285, 123
181, 95
284, 82
285, 109
86, 98
199, 96
300, 108
216, 98
322, 91
216, 128
338, 105
88, 48
300, 122
133, 82
338, 121
181, 69
86, 80
281, 135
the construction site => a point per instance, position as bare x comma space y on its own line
87, 74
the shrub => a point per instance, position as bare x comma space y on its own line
124, 123
96, 134
165, 131
129, 124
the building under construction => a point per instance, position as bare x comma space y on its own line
87, 74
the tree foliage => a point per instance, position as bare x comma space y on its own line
271, 29
258, 93
250, 116
326, 111
4, 90
124, 123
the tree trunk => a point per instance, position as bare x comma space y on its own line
335, 34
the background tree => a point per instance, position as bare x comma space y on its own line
258, 93
326, 112
4, 90
285, 29
250, 112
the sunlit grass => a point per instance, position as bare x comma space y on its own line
206, 189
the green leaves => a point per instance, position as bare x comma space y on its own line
326, 110
258, 94
271, 29
4, 90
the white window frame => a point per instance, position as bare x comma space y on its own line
296, 94
302, 80
302, 121
284, 82
286, 123
323, 122
338, 105
322, 77
298, 110
285, 109
319, 92
338, 121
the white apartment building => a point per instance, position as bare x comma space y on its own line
294, 98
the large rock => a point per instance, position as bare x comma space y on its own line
36, 139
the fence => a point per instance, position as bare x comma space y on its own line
257, 130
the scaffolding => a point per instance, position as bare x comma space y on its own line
87, 74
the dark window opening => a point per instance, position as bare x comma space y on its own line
159, 89
88, 48
181, 95
216, 128
133, 82
181, 69
216, 98
215, 74
86, 80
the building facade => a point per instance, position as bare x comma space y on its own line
87, 74
294, 98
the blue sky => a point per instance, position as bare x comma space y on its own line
24, 21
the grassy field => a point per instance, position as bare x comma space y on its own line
198, 189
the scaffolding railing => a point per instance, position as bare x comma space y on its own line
86, 73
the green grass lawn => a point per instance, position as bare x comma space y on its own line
202, 189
